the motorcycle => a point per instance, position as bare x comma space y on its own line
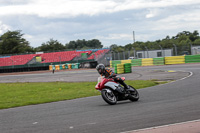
112, 91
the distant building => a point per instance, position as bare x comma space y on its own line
154, 53
195, 50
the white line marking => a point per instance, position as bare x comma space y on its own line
161, 126
35, 123
191, 73
71, 127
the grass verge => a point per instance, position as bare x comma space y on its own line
21, 94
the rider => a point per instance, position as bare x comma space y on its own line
108, 73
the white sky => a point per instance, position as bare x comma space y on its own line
110, 21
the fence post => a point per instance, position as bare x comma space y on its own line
191, 52
175, 49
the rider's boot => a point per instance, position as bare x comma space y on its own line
126, 87
119, 80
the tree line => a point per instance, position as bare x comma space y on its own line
182, 41
12, 42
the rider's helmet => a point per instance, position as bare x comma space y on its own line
100, 68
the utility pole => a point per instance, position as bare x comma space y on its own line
133, 37
134, 42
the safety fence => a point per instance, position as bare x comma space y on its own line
159, 61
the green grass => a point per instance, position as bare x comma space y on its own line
21, 94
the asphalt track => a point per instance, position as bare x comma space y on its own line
170, 103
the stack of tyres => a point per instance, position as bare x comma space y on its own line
115, 66
111, 65
73, 66
127, 68
136, 62
57, 67
174, 60
77, 65
158, 61
120, 68
50, 67
61, 67
66, 66
192, 58
69, 66
114, 62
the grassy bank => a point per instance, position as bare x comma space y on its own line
21, 94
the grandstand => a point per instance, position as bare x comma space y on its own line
31, 61
98, 54
16, 60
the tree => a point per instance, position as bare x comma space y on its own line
194, 36
51, 45
94, 43
83, 44
12, 42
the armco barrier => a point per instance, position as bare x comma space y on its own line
174, 60
147, 62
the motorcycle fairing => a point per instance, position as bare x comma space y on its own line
114, 86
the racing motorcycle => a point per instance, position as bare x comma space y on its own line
112, 91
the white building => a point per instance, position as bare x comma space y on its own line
154, 53
195, 50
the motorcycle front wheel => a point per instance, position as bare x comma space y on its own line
108, 96
133, 94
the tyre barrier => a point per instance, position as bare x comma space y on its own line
127, 68
125, 61
57, 67
192, 58
113, 62
174, 60
51, 67
122, 68
136, 62
147, 62
159, 61
115, 68
65, 66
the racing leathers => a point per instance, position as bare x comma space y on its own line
108, 73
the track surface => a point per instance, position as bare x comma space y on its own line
159, 105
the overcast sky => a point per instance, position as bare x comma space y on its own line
110, 21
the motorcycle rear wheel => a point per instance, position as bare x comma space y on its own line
108, 96
133, 94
